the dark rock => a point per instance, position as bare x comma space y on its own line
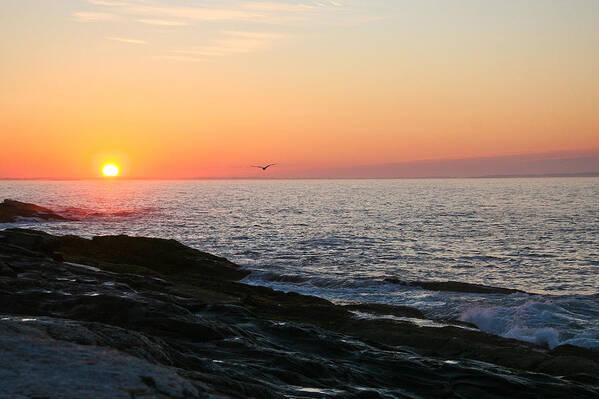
6, 270
163, 256
11, 211
29, 240
124, 253
455, 286
34, 365
178, 315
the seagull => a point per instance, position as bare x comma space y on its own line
264, 167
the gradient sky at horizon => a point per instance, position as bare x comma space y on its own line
200, 88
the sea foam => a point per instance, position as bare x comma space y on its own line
529, 321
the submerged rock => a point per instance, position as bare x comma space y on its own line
176, 323
456, 286
11, 211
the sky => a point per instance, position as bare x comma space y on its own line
323, 88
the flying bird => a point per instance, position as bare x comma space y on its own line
264, 167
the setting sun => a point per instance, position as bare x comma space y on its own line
110, 170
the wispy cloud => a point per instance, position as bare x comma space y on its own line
272, 6
191, 13
213, 17
293, 7
238, 10
181, 58
108, 3
127, 40
232, 42
255, 36
162, 22
93, 16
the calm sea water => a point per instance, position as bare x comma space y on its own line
341, 239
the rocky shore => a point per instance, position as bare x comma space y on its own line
11, 211
127, 317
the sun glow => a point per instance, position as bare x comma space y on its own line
110, 170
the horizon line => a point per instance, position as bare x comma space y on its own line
492, 176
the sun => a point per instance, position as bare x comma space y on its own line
110, 170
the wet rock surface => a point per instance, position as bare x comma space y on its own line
11, 211
137, 317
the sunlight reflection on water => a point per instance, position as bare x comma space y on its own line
534, 234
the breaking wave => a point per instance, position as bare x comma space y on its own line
543, 321
546, 320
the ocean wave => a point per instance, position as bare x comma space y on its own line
336, 282
546, 322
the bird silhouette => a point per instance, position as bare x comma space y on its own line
264, 167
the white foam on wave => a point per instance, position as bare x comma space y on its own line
416, 321
541, 321
545, 320
546, 336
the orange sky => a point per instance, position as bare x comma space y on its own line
179, 89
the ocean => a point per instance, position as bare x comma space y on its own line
366, 240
